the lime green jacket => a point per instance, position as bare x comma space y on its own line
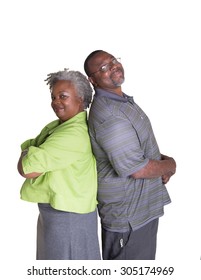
62, 153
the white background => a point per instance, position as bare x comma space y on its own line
159, 43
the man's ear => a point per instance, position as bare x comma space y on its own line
91, 80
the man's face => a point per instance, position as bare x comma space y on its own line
106, 71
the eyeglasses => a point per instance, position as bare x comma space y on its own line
104, 68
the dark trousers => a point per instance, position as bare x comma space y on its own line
131, 245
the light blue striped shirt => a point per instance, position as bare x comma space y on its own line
123, 142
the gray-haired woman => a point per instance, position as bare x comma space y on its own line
60, 172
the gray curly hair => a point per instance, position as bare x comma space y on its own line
80, 82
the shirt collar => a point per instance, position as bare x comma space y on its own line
80, 117
103, 93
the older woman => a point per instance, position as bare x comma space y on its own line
60, 172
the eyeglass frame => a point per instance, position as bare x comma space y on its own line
114, 60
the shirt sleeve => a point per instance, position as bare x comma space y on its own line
120, 141
61, 149
27, 144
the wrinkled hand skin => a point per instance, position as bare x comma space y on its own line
166, 177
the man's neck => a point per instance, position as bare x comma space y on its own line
117, 91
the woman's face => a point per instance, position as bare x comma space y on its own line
65, 102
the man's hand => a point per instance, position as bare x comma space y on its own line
166, 177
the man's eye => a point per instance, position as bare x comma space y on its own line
114, 61
104, 68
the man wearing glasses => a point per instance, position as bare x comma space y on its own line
132, 172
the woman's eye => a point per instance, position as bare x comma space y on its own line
63, 96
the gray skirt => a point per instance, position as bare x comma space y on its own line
66, 236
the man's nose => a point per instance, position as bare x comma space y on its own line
112, 66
